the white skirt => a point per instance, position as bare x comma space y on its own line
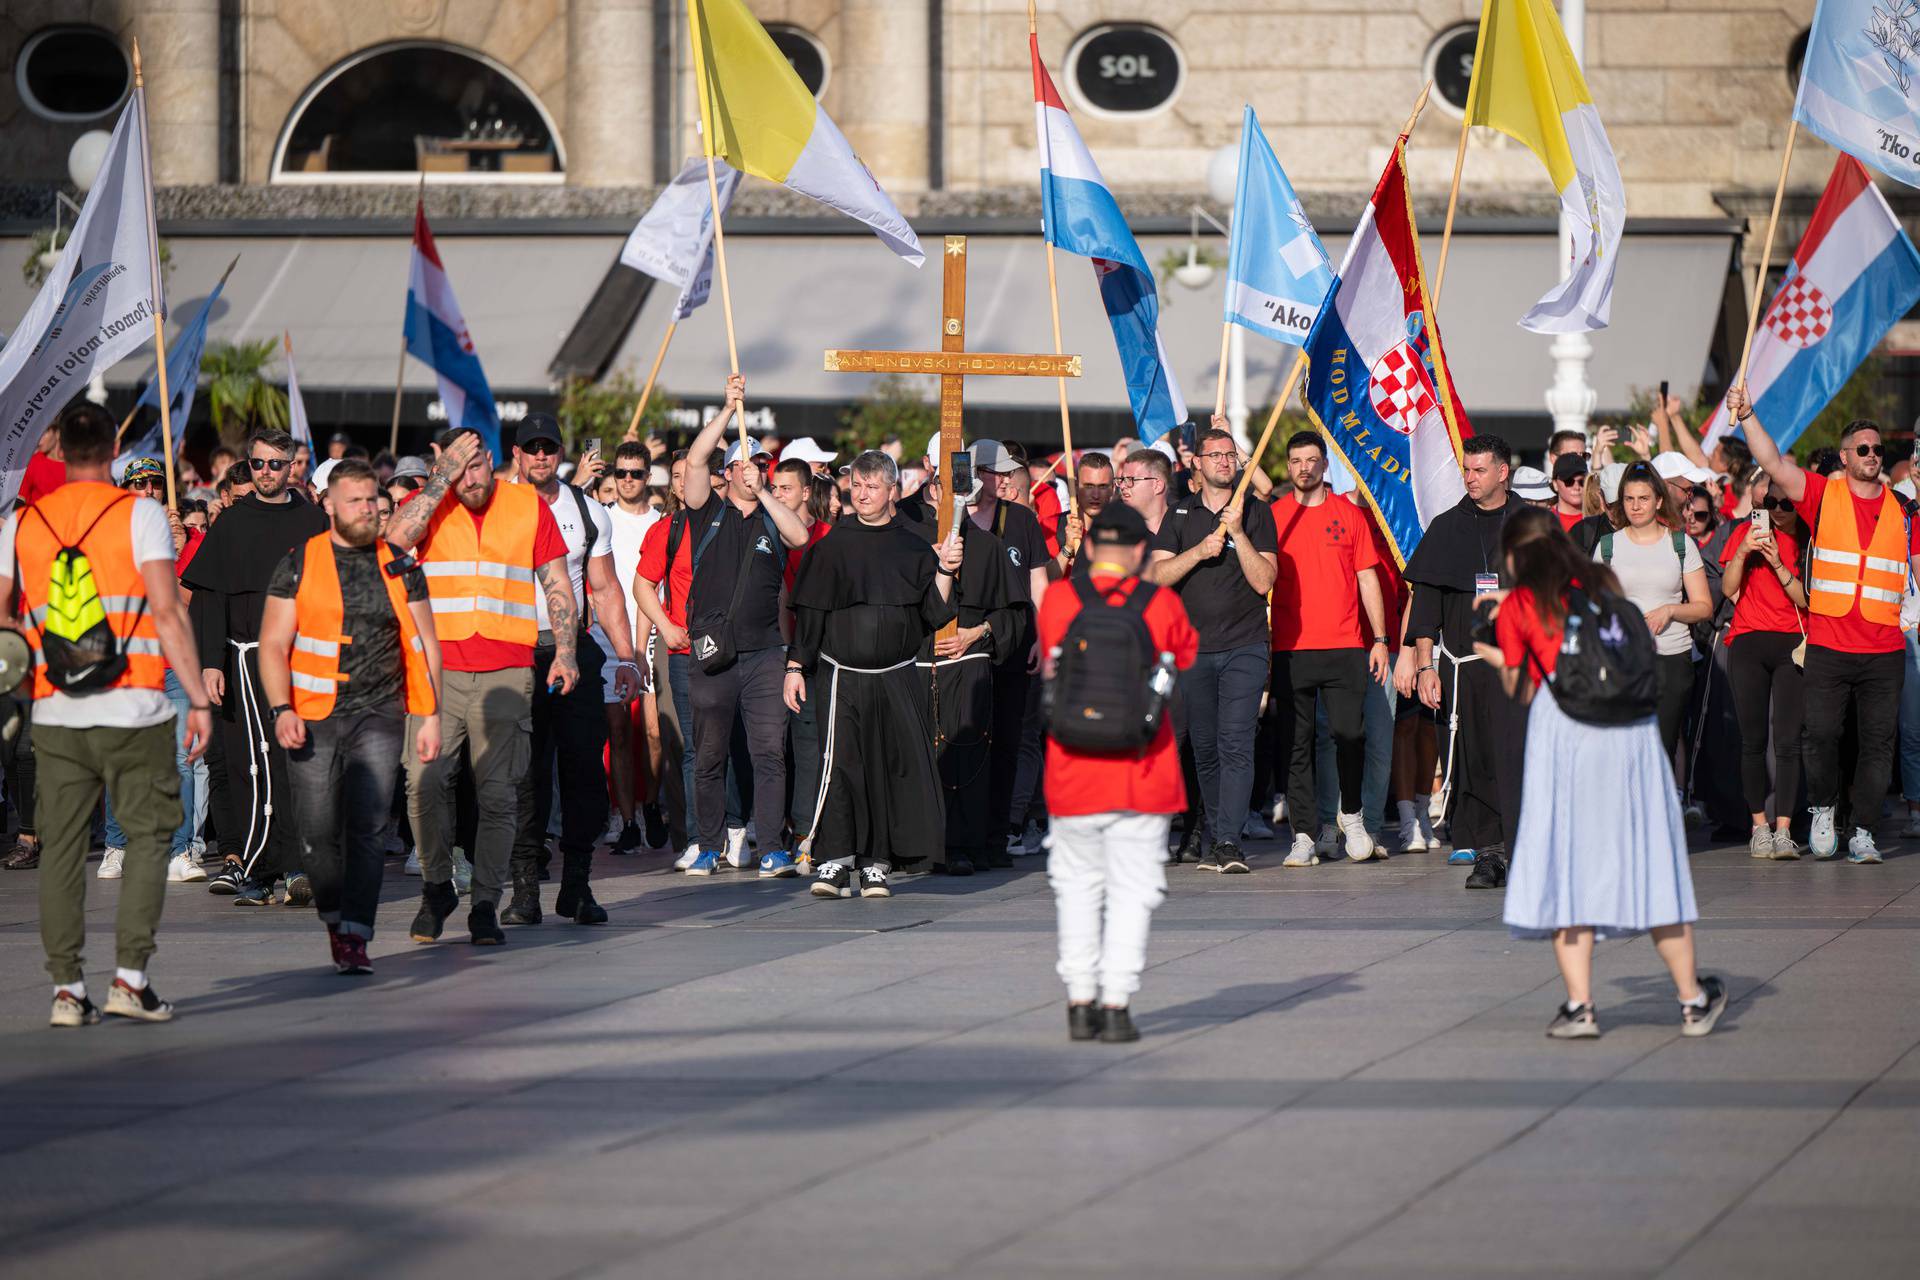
1600, 839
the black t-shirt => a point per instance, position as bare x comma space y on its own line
1224, 607
756, 624
1026, 549
371, 661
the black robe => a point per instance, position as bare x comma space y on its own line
229, 573
866, 597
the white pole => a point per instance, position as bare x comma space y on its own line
1571, 398
1237, 385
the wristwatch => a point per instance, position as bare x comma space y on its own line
274, 712
1380, 640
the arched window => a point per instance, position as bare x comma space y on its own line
400, 110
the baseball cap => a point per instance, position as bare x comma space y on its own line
753, 451
1531, 483
537, 426
991, 455
321, 472
806, 449
1673, 465
1118, 524
142, 469
411, 469
1610, 476
1164, 447
1569, 466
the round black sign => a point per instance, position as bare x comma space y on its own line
1452, 66
1125, 69
808, 59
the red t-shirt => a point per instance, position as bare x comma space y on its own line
1393, 588
1079, 784
43, 476
479, 653
819, 530
1763, 603
653, 567
1851, 634
1316, 595
1567, 521
1520, 632
1047, 510
180, 562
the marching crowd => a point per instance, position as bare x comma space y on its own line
779, 667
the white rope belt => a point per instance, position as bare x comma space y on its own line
258, 773
1453, 717
826, 761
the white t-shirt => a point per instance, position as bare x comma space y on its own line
628, 531
110, 708
584, 539
1651, 576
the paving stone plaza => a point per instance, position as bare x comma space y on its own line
1342, 1074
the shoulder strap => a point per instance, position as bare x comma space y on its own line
35, 508
1137, 599
713, 531
1679, 547
1606, 548
586, 518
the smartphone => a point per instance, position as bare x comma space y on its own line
1762, 522
593, 445
1189, 436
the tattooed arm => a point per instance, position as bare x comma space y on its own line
557, 586
409, 522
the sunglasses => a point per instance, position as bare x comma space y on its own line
1772, 503
1870, 450
275, 465
1700, 516
540, 448
625, 473
1575, 483
148, 483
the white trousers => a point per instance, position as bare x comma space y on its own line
1108, 871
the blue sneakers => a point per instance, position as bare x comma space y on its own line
778, 865
1462, 857
705, 863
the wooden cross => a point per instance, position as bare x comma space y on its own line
953, 363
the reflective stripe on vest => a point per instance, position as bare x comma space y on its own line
480, 581
64, 513
1845, 575
319, 617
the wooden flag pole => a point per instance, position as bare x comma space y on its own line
1220, 380
1053, 297
646, 392
124, 424
159, 284
1453, 202
1759, 302
400, 375
1273, 420
726, 294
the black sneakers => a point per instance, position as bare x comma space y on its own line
1228, 858
1116, 1026
957, 864
873, 882
1189, 848
629, 840
656, 825
1083, 1021
227, 881
1489, 870
1209, 860
437, 902
482, 929
576, 903
1698, 1019
524, 908
834, 881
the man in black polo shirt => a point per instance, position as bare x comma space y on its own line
1222, 561
735, 533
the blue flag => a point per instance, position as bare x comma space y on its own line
183, 380
1277, 272
1860, 83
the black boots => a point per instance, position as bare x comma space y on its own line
576, 902
1098, 1022
437, 902
525, 907
1489, 870
482, 929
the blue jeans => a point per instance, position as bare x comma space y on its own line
1381, 706
1910, 725
193, 787
1218, 711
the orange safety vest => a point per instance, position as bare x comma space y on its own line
480, 578
38, 538
1843, 571
319, 615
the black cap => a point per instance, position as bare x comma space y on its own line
1569, 466
537, 426
1119, 525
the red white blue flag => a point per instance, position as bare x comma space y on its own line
437, 336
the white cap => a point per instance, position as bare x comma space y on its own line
1673, 465
1532, 484
807, 450
321, 472
733, 451
1610, 480
1164, 447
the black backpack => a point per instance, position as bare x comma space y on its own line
1605, 671
1103, 696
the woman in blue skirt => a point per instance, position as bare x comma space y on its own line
1600, 851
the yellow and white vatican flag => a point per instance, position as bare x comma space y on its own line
757, 116
1527, 84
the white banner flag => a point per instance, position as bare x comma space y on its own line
296, 407
98, 304
674, 241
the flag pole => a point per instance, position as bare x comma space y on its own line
646, 392
1273, 420
1220, 379
1759, 303
400, 375
159, 284
1453, 202
1053, 296
713, 196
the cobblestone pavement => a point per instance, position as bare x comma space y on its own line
1343, 1073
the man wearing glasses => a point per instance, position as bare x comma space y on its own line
1864, 544
1222, 561
1146, 479
1570, 489
229, 577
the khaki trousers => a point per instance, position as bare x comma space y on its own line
492, 713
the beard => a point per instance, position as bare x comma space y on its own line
475, 497
357, 533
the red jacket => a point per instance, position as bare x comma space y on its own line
1150, 782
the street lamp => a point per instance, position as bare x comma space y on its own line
1571, 398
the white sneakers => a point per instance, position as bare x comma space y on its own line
1302, 854
685, 860
737, 856
1360, 845
413, 863
1413, 837
1821, 838
111, 863
182, 869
